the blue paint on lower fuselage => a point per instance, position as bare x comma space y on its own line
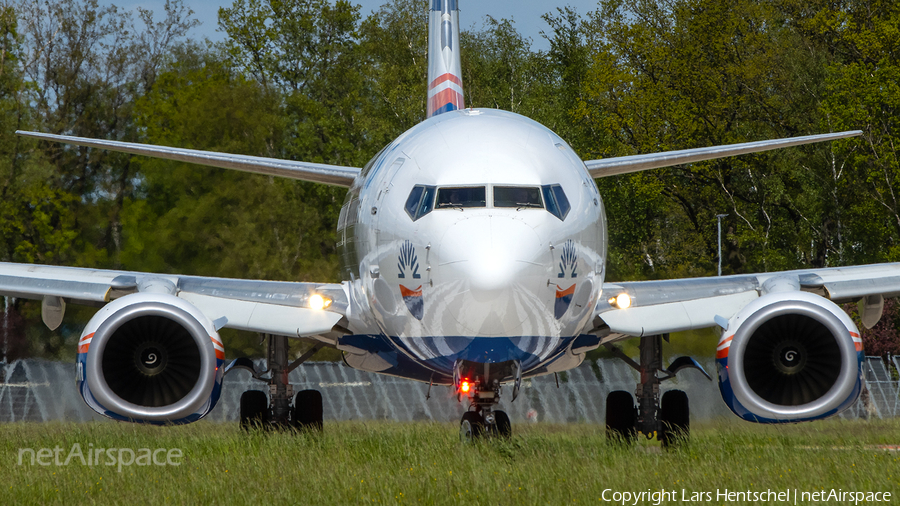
441, 353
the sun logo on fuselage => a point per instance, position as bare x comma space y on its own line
408, 262
568, 261
568, 267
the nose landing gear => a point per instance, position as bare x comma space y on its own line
483, 395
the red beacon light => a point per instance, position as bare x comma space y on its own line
464, 386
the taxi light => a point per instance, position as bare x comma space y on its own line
622, 301
318, 302
464, 387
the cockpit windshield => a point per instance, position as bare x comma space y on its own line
518, 197
421, 199
469, 196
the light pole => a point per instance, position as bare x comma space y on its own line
719, 219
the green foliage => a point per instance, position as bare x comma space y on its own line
499, 71
394, 52
690, 74
864, 93
212, 221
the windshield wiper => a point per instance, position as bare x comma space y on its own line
520, 205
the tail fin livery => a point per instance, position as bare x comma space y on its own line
445, 92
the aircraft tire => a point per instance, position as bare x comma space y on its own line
254, 408
307, 412
471, 427
502, 424
620, 417
674, 417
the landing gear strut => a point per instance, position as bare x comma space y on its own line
483, 394
668, 420
277, 411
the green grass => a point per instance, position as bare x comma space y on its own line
424, 463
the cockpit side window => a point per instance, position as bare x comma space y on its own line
458, 198
557, 203
518, 197
420, 201
412, 202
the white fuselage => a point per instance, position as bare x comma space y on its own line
484, 282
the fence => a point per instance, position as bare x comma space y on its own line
37, 390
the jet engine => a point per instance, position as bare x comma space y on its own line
790, 357
150, 358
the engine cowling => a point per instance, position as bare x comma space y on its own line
150, 358
790, 357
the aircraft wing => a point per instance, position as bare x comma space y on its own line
335, 175
659, 307
272, 307
636, 163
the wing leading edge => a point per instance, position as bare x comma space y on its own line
335, 175
660, 307
636, 163
274, 307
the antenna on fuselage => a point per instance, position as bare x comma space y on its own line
445, 92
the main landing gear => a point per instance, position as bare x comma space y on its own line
669, 418
483, 393
277, 411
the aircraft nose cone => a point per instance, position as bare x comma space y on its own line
491, 261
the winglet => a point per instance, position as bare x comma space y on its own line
445, 92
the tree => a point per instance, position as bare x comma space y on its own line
70, 67
694, 73
85, 67
863, 85
208, 221
394, 53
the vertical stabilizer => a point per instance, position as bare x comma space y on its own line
445, 91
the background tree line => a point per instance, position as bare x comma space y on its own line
315, 80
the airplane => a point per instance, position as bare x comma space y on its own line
473, 251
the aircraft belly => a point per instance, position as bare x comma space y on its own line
441, 353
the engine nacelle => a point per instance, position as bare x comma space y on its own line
790, 357
150, 358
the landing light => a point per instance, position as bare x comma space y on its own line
622, 301
318, 302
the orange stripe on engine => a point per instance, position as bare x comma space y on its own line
220, 355
723, 353
216, 341
84, 344
854, 334
723, 341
